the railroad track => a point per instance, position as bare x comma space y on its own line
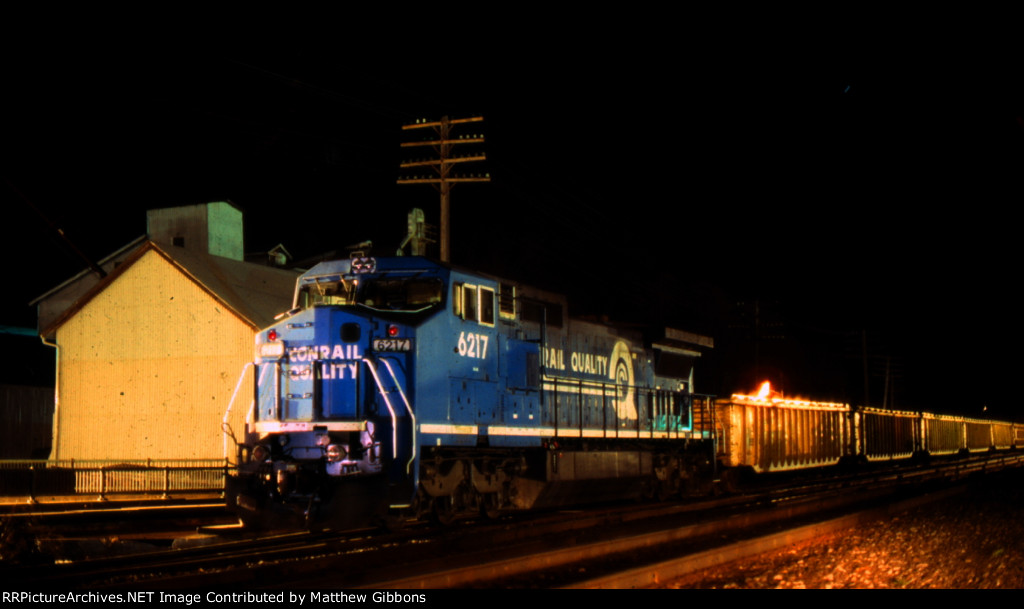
586, 548
775, 519
295, 559
641, 559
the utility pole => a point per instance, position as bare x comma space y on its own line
442, 164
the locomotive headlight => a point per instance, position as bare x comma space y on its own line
335, 453
270, 350
260, 454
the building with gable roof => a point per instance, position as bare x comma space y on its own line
154, 357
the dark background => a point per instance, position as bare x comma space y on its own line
817, 214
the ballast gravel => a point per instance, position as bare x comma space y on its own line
972, 540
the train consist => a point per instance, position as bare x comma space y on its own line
405, 384
767, 433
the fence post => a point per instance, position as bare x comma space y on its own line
32, 484
103, 483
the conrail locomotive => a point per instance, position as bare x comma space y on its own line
406, 384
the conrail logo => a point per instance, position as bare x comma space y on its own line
622, 373
617, 368
313, 353
301, 370
578, 362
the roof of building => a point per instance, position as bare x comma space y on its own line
107, 263
254, 292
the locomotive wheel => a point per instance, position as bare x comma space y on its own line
444, 511
490, 506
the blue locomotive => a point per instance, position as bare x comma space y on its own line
406, 384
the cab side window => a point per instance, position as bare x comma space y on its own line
486, 306
469, 302
473, 303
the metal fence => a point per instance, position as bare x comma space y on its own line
99, 478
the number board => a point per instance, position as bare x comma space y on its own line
392, 344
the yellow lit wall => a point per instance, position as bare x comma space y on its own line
147, 368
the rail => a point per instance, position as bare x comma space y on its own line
30, 479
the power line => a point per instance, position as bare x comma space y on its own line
443, 164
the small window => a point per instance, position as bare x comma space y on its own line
457, 299
487, 306
469, 302
507, 301
473, 303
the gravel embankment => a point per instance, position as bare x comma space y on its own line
974, 540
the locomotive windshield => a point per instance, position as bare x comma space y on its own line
401, 294
408, 294
339, 292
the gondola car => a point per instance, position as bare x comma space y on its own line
766, 432
770, 434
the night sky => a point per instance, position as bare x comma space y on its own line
804, 210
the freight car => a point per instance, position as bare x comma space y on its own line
768, 433
405, 384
